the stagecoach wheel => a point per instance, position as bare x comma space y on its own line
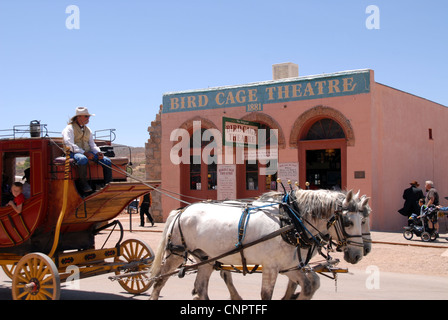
138, 256
36, 278
426, 236
8, 269
408, 234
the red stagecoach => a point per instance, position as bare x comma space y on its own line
57, 226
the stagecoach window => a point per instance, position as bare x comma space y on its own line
251, 175
14, 169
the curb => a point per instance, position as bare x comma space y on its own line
411, 244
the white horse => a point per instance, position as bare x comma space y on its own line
336, 232
363, 209
207, 230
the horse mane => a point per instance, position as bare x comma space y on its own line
271, 196
320, 204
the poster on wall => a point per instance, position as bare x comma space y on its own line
288, 171
226, 181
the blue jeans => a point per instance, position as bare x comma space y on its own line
82, 160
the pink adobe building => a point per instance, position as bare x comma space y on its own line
341, 130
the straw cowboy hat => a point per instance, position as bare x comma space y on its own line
82, 111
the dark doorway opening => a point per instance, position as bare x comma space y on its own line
323, 169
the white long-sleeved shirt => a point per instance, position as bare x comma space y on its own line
68, 135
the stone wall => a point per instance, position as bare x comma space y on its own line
153, 165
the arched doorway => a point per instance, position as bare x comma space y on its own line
322, 155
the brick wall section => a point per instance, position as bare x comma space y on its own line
153, 165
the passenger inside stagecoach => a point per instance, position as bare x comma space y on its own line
26, 185
19, 198
79, 138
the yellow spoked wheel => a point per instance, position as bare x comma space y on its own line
36, 278
138, 257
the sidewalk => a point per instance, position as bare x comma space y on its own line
398, 239
393, 238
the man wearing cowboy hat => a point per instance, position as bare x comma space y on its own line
79, 138
411, 196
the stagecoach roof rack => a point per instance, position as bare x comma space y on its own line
33, 130
105, 134
38, 130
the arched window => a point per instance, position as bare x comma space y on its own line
325, 129
261, 174
198, 168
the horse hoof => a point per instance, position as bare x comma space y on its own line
181, 273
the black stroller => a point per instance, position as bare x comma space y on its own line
420, 226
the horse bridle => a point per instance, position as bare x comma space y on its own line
365, 234
337, 221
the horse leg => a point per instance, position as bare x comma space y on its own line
269, 277
311, 282
308, 281
314, 279
171, 263
290, 289
226, 275
200, 291
299, 279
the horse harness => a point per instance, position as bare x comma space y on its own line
293, 231
338, 221
301, 236
181, 250
239, 246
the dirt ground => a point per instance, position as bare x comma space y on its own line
407, 259
403, 259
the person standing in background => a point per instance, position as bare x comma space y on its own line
432, 198
145, 205
411, 197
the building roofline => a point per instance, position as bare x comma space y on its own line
385, 85
268, 82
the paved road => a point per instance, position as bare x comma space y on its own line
356, 285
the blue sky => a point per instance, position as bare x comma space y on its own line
126, 54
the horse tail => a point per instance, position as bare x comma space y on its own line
157, 263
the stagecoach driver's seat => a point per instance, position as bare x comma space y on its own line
78, 137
